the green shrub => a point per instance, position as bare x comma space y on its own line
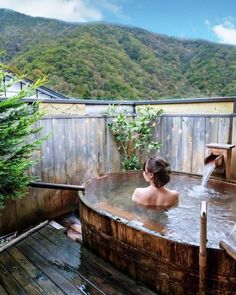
17, 123
134, 134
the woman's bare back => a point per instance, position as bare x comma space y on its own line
152, 196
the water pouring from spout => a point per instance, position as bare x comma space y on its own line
219, 160
211, 163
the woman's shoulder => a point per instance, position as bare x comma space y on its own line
173, 192
138, 194
174, 195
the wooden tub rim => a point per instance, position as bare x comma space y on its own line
82, 198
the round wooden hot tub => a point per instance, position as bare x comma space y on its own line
161, 247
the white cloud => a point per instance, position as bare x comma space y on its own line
67, 10
112, 6
226, 32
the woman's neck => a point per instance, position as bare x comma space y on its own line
162, 188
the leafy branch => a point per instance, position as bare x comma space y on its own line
134, 134
17, 124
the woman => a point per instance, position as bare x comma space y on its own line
156, 171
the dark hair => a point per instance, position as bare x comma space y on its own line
160, 169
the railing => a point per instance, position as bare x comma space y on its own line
60, 186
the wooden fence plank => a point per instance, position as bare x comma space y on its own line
176, 135
186, 145
198, 145
59, 151
36, 155
47, 151
224, 130
233, 141
211, 134
92, 161
166, 138
70, 151
101, 152
158, 134
81, 150
113, 155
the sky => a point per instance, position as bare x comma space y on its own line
213, 20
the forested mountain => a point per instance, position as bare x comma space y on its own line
106, 61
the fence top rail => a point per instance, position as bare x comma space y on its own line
136, 102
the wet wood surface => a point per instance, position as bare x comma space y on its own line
48, 262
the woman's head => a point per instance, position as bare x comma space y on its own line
159, 169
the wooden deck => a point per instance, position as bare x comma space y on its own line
48, 262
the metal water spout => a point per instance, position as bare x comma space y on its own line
220, 155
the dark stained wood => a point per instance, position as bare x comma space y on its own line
9, 283
25, 207
48, 262
36, 274
2, 290
63, 255
20, 275
95, 269
47, 267
165, 265
8, 217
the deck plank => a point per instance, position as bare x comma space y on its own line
9, 283
96, 269
47, 268
48, 262
62, 256
35, 273
19, 274
2, 290
59, 238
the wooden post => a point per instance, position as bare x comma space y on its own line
24, 235
202, 249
